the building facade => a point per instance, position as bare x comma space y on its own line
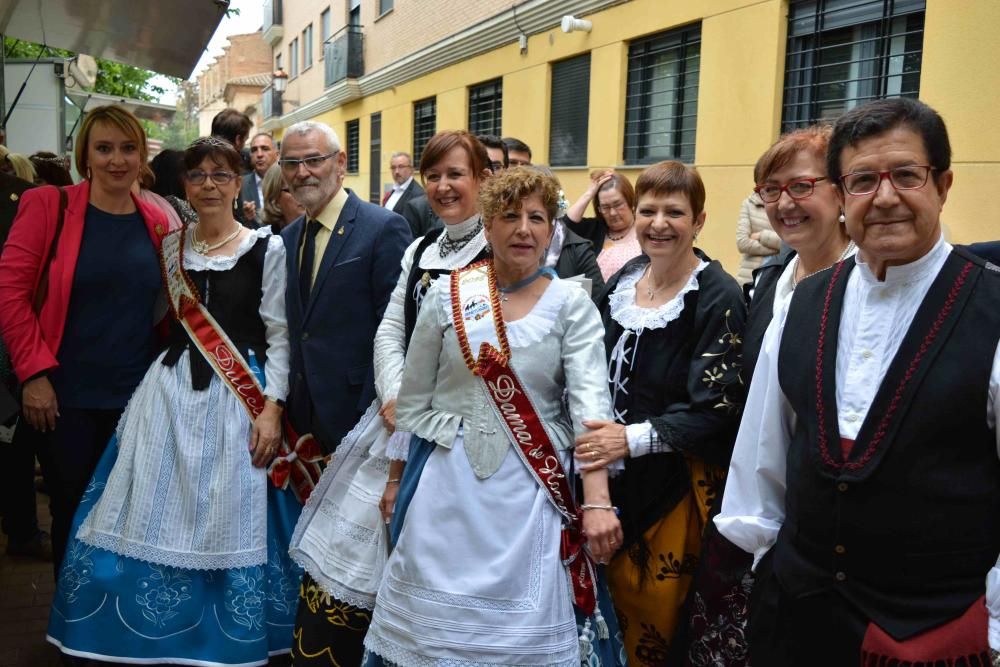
711, 83
235, 79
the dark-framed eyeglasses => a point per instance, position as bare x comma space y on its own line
311, 163
220, 177
610, 208
910, 177
800, 188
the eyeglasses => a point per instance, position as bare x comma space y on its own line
311, 163
800, 188
608, 208
910, 177
496, 166
197, 177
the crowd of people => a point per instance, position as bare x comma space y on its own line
473, 426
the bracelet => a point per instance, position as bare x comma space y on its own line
396, 480
610, 508
277, 401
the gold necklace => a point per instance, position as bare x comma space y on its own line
843, 256
203, 247
648, 275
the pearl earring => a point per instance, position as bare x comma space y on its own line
841, 219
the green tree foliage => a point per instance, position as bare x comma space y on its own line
113, 78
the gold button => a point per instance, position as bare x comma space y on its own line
842, 487
13, 196
840, 576
840, 549
867, 354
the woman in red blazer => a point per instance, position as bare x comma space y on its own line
80, 357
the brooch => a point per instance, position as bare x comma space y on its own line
13, 196
425, 279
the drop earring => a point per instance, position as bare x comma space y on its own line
841, 219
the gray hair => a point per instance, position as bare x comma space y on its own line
307, 126
397, 154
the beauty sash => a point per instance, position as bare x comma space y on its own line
295, 465
476, 299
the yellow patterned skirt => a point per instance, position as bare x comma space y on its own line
649, 614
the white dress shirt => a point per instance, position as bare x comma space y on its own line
397, 192
876, 316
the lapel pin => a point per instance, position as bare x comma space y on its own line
13, 196
340, 231
159, 229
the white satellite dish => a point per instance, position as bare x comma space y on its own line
83, 70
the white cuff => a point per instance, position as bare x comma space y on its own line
643, 439
398, 447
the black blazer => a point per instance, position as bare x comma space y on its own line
332, 377
421, 217
412, 191
989, 250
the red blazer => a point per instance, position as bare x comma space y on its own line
33, 341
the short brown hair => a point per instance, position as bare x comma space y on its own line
221, 151
815, 139
231, 124
120, 118
669, 177
617, 182
444, 141
508, 188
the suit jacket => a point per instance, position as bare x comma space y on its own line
11, 189
33, 341
988, 250
332, 376
412, 191
421, 217
248, 192
576, 258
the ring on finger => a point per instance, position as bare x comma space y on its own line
593, 456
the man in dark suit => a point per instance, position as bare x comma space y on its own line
343, 262
988, 250
405, 187
234, 126
262, 156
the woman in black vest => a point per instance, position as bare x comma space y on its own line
180, 542
340, 538
673, 319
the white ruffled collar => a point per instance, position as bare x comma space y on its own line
626, 313
197, 262
432, 259
534, 326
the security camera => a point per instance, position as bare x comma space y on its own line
571, 23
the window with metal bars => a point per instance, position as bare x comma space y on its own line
570, 112
842, 53
485, 108
424, 126
375, 159
661, 98
353, 140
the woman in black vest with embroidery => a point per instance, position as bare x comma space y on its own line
340, 538
180, 543
673, 320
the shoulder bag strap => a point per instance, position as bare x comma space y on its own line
41, 292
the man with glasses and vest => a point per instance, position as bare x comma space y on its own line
343, 262
866, 474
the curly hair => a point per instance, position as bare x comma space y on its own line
510, 187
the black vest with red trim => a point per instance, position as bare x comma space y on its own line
908, 525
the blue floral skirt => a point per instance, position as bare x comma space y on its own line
118, 609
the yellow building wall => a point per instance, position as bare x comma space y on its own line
739, 101
960, 78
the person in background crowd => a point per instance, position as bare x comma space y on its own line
802, 206
612, 229
673, 320
343, 566
17, 165
489, 584
280, 208
343, 261
569, 254
262, 156
168, 182
866, 479
234, 126
755, 239
82, 353
518, 152
180, 547
404, 188
50, 169
496, 149
17, 476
